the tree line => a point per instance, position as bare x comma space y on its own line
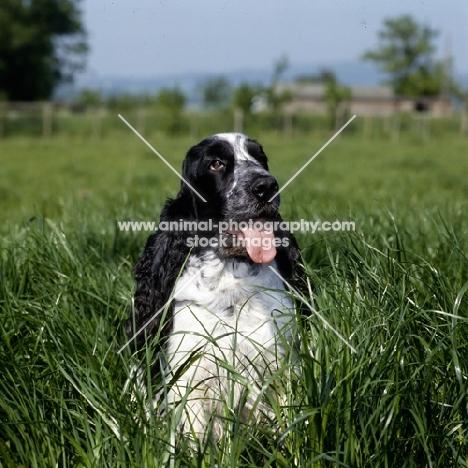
43, 44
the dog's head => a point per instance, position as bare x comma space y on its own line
230, 171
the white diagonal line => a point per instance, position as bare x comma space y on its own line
344, 340
160, 310
312, 158
167, 163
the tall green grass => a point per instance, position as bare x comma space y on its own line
396, 289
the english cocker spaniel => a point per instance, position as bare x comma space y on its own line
212, 285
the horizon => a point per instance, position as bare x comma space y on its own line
150, 40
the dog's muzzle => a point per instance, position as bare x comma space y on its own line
264, 187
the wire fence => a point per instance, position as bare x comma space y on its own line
46, 119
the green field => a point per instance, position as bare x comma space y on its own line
396, 288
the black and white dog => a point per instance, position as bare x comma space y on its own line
210, 281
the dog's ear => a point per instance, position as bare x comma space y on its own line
288, 260
156, 272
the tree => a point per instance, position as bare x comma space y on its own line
171, 99
277, 99
406, 53
323, 76
42, 42
127, 101
243, 97
216, 92
171, 102
338, 98
89, 98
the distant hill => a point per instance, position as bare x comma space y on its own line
352, 73
462, 78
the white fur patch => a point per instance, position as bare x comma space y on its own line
232, 316
237, 140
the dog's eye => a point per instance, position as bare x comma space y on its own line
216, 165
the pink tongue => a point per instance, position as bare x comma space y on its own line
260, 245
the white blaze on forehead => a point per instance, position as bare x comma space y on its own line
238, 141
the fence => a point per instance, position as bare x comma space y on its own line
44, 119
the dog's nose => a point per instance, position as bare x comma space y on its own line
264, 187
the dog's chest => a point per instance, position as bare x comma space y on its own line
225, 301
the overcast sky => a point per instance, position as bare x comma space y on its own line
148, 38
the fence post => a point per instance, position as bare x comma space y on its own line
396, 127
464, 121
3, 113
98, 122
193, 127
238, 120
141, 121
288, 124
368, 126
423, 129
46, 119
387, 125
